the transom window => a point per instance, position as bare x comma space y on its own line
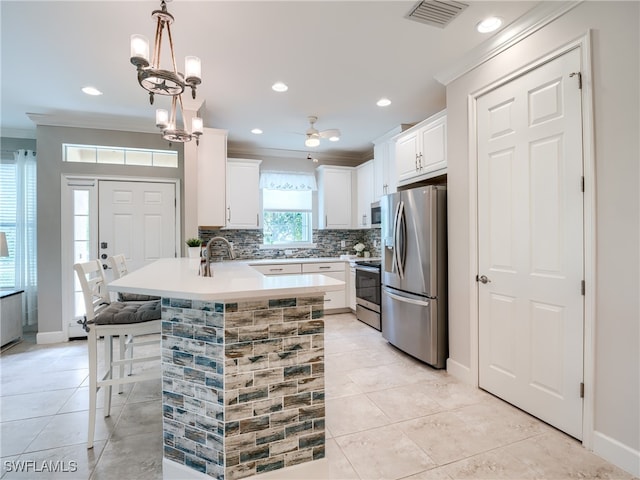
119, 156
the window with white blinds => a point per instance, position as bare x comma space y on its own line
18, 222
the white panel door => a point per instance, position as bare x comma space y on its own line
137, 219
530, 227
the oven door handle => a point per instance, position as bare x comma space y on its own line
367, 269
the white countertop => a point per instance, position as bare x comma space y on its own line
178, 278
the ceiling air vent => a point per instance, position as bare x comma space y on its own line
438, 13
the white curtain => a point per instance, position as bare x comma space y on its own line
25, 247
289, 181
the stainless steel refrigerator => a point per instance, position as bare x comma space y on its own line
414, 272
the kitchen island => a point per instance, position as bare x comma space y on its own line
242, 365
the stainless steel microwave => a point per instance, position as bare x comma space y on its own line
376, 215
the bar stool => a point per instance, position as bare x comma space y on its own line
109, 319
118, 264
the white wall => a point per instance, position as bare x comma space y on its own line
50, 167
615, 58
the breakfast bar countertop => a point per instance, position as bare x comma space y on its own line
235, 280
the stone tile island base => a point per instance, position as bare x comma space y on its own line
243, 384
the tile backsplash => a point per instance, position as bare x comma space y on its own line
247, 244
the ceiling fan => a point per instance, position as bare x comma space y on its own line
314, 135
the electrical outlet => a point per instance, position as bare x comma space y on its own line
288, 252
375, 243
343, 243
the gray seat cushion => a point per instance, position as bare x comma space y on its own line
127, 312
136, 297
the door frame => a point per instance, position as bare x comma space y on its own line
583, 43
66, 222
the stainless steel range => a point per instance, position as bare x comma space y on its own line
368, 292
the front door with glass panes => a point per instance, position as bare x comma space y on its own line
137, 219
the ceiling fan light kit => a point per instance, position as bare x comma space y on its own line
169, 82
314, 135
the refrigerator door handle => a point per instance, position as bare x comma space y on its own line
399, 251
422, 303
394, 267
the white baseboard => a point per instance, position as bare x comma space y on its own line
617, 453
461, 372
50, 337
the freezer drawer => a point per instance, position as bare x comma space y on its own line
415, 325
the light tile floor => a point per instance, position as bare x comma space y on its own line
388, 417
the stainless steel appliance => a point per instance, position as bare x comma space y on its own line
414, 272
376, 215
368, 292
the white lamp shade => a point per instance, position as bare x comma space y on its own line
162, 118
192, 67
196, 125
139, 47
4, 249
312, 142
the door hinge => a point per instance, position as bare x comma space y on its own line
582, 287
582, 183
581, 389
579, 74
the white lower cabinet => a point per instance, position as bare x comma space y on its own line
335, 300
352, 287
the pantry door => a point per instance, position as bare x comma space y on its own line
530, 242
137, 219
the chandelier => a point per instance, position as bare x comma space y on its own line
167, 82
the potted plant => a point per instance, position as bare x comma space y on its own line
195, 245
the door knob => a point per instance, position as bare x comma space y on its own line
482, 279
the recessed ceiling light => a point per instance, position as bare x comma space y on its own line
334, 138
91, 91
383, 102
279, 87
489, 24
256, 131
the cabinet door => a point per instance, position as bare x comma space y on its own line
243, 194
336, 298
407, 156
336, 199
352, 288
434, 140
365, 194
211, 195
380, 151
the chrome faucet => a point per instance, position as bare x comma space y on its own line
206, 268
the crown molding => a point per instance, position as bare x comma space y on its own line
532, 21
99, 122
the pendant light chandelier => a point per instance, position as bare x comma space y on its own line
161, 81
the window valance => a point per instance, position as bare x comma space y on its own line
288, 181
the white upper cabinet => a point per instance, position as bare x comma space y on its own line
421, 151
334, 197
211, 178
384, 166
365, 188
243, 193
